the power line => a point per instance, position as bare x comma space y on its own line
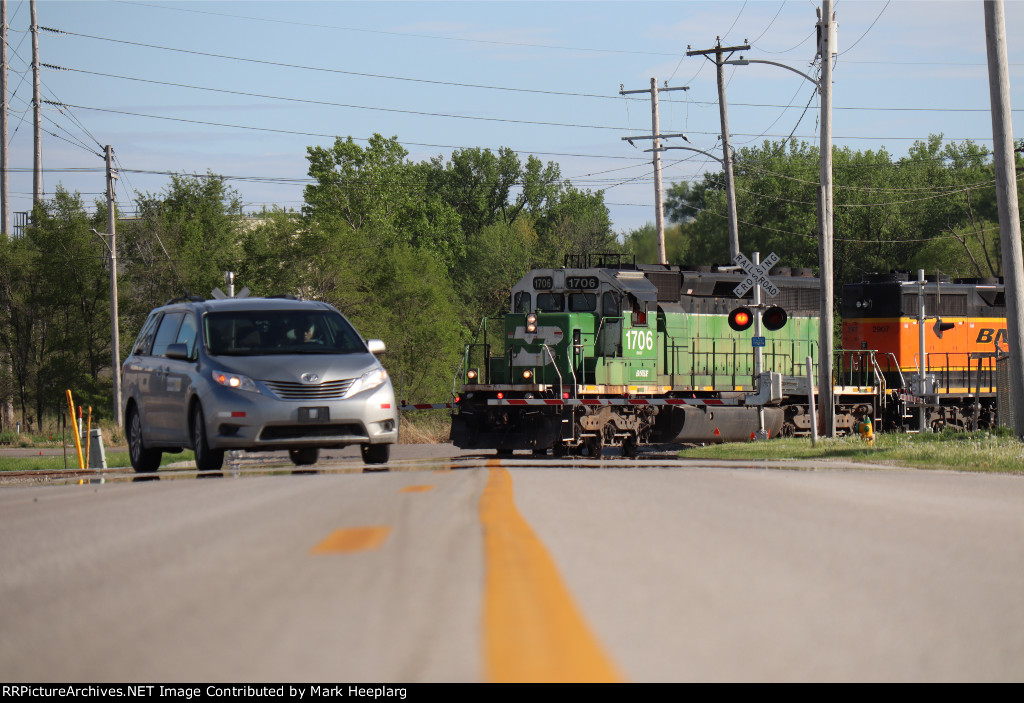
322, 69
408, 34
868, 29
493, 119
469, 85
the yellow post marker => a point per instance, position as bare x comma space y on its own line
78, 441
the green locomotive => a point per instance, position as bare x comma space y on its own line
603, 353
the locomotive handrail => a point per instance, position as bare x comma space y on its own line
555, 365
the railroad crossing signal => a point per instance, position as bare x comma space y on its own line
774, 318
741, 319
756, 274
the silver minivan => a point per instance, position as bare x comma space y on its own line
255, 374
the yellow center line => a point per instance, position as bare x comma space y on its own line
533, 631
417, 489
352, 539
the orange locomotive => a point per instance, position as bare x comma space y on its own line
964, 328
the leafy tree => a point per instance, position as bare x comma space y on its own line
56, 310
183, 241
410, 305
934, 202
497, 257
377, 194
576, 223
643, 244
273, 260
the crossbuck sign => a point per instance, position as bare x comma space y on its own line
756, 275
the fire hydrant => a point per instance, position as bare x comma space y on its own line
866, 431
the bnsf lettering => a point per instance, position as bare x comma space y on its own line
642, 373
880, 329
581, 282
987, 336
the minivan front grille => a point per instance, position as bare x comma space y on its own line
304, 391
344, 431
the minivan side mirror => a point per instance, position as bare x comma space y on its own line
177, 351
375, 346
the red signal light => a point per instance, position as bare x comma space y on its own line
741, 319
774, 318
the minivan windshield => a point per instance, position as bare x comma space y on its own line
260, 332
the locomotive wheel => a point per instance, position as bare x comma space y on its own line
630, 448
594, 446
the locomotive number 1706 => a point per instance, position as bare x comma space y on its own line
639, 340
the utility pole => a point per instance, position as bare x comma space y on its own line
723, 109
37, 141
1006, 197
827, 49
115, 337
656, 135
7, 408
5, 190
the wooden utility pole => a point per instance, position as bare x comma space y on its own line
5, 190
657, 136
37, 140
1006, 197
7, 403
115, 337
825, 262
723, 109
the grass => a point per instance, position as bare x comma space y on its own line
53, 463
962, 451
425, 427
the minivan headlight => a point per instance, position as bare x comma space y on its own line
235, 380
370, 379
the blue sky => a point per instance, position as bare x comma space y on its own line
539, 77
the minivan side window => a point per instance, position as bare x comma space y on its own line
167, 332
145, 339
187, 334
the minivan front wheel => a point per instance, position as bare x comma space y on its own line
206, 459
304, 457
143, 460
376, 453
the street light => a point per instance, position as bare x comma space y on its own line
115, 336
825, 263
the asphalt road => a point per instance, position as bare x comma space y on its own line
467, 568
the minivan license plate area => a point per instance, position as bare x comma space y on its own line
314, 415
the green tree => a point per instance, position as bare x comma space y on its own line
377, 194
643, 244
182, 242
410, 304
56, 310
577, 222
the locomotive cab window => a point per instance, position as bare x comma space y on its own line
550, 302
611, 303
639, 317
582, 302
521, 303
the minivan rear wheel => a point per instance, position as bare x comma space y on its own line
206, 459
143, 460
